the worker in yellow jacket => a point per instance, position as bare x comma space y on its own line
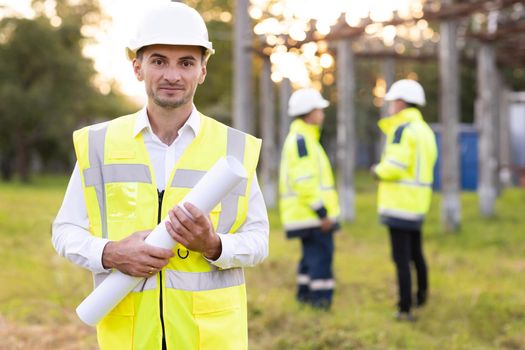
309, 206
132, 171
405, 176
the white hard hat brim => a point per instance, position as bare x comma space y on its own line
391, 97
321, 104
131, 50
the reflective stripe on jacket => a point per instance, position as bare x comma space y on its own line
406, 170
203, 307
306, 182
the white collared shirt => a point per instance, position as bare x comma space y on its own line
71, 236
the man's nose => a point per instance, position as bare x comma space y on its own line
172, 74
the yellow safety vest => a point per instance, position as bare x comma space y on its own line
306, 182
203, 307
406, 170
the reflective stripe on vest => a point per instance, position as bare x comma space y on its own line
189, 281
401, 214
417, 182
235, 147
397, 164
303, 224
200, 281
291, 193
187, 178
99, 174
146, 284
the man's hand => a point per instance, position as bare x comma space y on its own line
196, 234
134, 257
326, 224
373, 172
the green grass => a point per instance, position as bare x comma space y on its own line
477, 281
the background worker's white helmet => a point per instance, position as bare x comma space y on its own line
304, 101
170, 23
407, 90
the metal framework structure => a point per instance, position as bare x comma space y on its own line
489, 32
508, 35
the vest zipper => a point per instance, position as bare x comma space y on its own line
159, 218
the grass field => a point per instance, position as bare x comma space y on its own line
477, 281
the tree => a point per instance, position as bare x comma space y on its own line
46, 84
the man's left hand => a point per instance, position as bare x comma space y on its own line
373, 172
327, 224
195, 233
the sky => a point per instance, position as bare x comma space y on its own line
109, 53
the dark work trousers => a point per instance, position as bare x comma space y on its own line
315, 282
406, 247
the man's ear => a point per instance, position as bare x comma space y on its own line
137, 69
203, 74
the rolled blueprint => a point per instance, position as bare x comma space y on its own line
225, 174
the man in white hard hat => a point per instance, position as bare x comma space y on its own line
133, 170
308, 203
405, 176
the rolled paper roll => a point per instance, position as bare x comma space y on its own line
222, 178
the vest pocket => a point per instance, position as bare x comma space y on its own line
215, 300
115, 332
121, 208
125, 194
220, 315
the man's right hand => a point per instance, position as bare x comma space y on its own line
135, 257
326, 224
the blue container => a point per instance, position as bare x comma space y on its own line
468, 144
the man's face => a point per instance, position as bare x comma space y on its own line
171, 73
396, 106
315, 117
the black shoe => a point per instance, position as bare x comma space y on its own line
404, 316
322, 305
421, 299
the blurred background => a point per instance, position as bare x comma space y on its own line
63, 66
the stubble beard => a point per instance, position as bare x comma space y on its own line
170, 103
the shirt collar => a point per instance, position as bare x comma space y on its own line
142, 123
404, 116
302, 127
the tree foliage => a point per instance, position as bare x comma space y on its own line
46, 85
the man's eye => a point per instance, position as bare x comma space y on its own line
187, 64
157, 62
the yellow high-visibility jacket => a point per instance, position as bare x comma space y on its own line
306, 181
406, 170
193, 303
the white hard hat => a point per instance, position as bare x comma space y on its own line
170, 23
304, 101
407, 90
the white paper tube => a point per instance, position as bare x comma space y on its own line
225, 174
